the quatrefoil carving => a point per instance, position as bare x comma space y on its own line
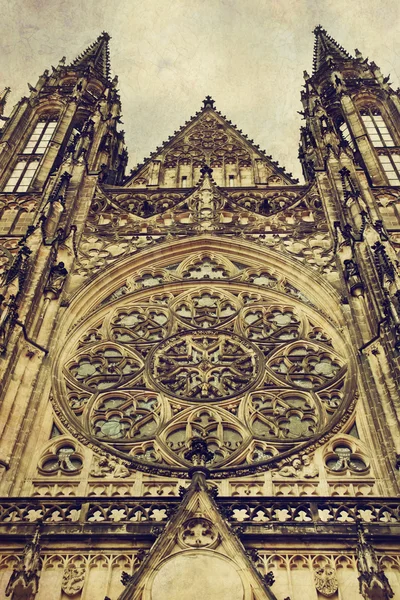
198, 532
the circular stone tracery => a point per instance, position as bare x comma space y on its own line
199, 365
251, 370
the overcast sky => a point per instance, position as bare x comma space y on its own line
169, 54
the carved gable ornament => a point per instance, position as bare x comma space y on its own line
206, 203
197, 555
198, 532
325, 580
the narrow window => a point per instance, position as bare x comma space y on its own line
376, 128
231, 180
30, 157
40, 138
184, 181
391, 165
22, 176
346, 135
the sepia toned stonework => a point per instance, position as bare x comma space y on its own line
200, 359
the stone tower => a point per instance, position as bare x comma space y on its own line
200, 360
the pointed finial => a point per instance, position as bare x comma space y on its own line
199, 454
208, 102
317, 29
372, 579
3, 99
36, 536
326, 50
24, 580
206, 170
96, 55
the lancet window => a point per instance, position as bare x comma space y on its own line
376, 128
30, 157
391, 165
345, 133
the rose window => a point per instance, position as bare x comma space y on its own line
200, 365
253, 371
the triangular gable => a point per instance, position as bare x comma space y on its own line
197, 556
208, 138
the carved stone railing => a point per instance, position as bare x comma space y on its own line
318, 510
257, 511
79, 510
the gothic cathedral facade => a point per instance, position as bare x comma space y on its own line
200, 359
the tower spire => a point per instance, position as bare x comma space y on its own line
326, 49
97, 55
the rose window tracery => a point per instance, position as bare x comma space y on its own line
132, 416
206, 309
102, 366
306, 365
206, 269
249, 368
271, 324
283, 416
149, 325
196, 365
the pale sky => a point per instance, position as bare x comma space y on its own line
169, 54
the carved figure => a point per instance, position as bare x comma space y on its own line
56, 280
300, 467
352, 276
309, 469
108, 467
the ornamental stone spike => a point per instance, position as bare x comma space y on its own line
3, 99
374, 584
24, 580
208, 102
199, 454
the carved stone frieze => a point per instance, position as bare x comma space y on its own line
123, 223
